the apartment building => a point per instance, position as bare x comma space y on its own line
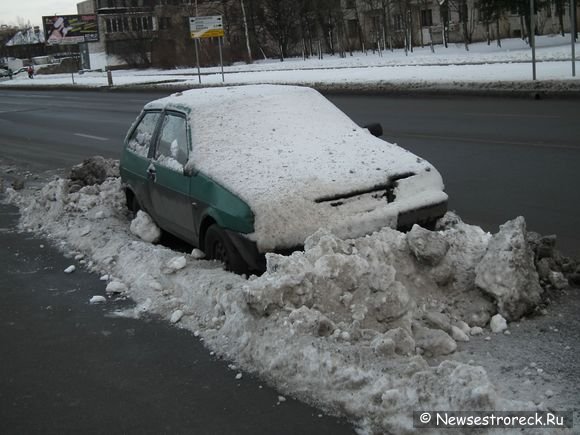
155, 32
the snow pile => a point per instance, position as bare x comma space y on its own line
416, 290
345, 325
94, 170
554, 269
484, 68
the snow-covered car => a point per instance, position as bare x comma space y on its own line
242, 171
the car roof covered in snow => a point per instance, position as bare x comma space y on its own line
284, 147
283, 132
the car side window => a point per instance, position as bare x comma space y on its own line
140, 139
172, 148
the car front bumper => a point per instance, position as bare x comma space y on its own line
256, 260
422, 216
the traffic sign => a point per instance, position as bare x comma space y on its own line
206, 27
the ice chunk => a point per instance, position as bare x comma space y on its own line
116, 287
97, 300
175, 264
144, 228
558, 280
458, 335
176, 316
70, 269
438, 321
309, 321
498, 324
476, 330
428, 247
435, 341
507, 271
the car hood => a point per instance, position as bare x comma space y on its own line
291, 155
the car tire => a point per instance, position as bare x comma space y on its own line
219, 247
132, 203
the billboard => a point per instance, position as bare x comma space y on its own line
70, 29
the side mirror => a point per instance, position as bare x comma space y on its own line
375, 129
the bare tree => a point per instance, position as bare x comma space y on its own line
279, 18
330, 19
246, 32
387, 23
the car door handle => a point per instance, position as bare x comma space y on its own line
151, 173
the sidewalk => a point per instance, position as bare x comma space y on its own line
483, 70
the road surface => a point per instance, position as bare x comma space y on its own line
500, 158
68, 367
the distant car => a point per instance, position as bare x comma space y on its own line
5, 71
242, 171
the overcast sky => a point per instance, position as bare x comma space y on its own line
12, 11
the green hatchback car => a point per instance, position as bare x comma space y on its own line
242, 171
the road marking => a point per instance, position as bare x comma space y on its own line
34, 109
512, 115
484, 141
30, 96
88, 136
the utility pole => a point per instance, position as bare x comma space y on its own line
197, 49
573, 34
532, 37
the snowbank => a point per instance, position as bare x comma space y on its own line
346, 325
482, 69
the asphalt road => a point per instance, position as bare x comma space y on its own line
68, 367
65, 366
500, 158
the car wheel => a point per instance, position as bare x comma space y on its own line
132, 203
430, 225
219, 247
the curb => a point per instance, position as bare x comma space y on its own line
515, 89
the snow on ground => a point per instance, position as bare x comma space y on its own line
347, 325
447, 66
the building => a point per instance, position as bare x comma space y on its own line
146, 32
156, 32
401, 23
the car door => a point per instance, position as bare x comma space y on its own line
135, 158
168, 184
